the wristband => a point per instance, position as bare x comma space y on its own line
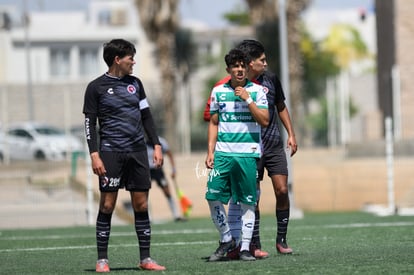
249, 100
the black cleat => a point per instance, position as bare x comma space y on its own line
246, 256
221, 251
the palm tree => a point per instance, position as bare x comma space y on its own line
159, 19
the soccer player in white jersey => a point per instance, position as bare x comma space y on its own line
238, 110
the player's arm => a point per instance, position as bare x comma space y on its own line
211, 140
149, 126
261, 115
91, 138
287, 123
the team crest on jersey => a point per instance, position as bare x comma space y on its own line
110, 91
131, 89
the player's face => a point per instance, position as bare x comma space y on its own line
259, 65
126, 64
238, 72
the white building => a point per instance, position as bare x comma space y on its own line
49, 63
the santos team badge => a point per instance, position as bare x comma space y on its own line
131, 89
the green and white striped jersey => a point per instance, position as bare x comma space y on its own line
238, 133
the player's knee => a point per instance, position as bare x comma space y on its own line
107, 208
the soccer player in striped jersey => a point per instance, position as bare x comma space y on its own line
274, 156
238, 110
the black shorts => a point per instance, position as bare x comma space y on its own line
159, 177
275, 163
125, 170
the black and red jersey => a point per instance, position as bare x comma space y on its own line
117, 103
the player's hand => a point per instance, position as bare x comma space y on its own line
158, 159
292, 145
209, 161
98, 166
241, 92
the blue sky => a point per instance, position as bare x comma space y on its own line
208, 12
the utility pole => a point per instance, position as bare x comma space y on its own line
284, 71
28, 61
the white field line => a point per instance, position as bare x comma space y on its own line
171, 232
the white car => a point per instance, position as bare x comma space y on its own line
39, 141
2, 148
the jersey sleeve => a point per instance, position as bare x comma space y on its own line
206, 115
213, 102
90, 104
279, 94
146, 115
261, 98
90, 109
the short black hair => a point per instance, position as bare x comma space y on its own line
253, 49
234, 56
117, 47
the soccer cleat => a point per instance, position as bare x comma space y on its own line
246, 256
150, 264
282, 247
102, 265
260, 254
221, 251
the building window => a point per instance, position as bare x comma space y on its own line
88, 62
59, 62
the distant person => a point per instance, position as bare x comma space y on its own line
158, 175
117, 100
238, 110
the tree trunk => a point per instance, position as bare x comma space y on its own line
159, 19
165, 47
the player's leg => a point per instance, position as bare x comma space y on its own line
246, 231
103, 229
108, 187
256, 246
219, 218
219, 192
234, 219
243, 179
280, 188
138, 182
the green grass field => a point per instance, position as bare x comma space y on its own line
328, 243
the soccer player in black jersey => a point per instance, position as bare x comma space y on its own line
274, 155
117, 101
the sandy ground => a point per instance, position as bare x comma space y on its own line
36, 195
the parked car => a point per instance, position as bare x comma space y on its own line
2, 147
40, 141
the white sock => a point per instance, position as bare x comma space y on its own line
234, 219
219, 217
247, 220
